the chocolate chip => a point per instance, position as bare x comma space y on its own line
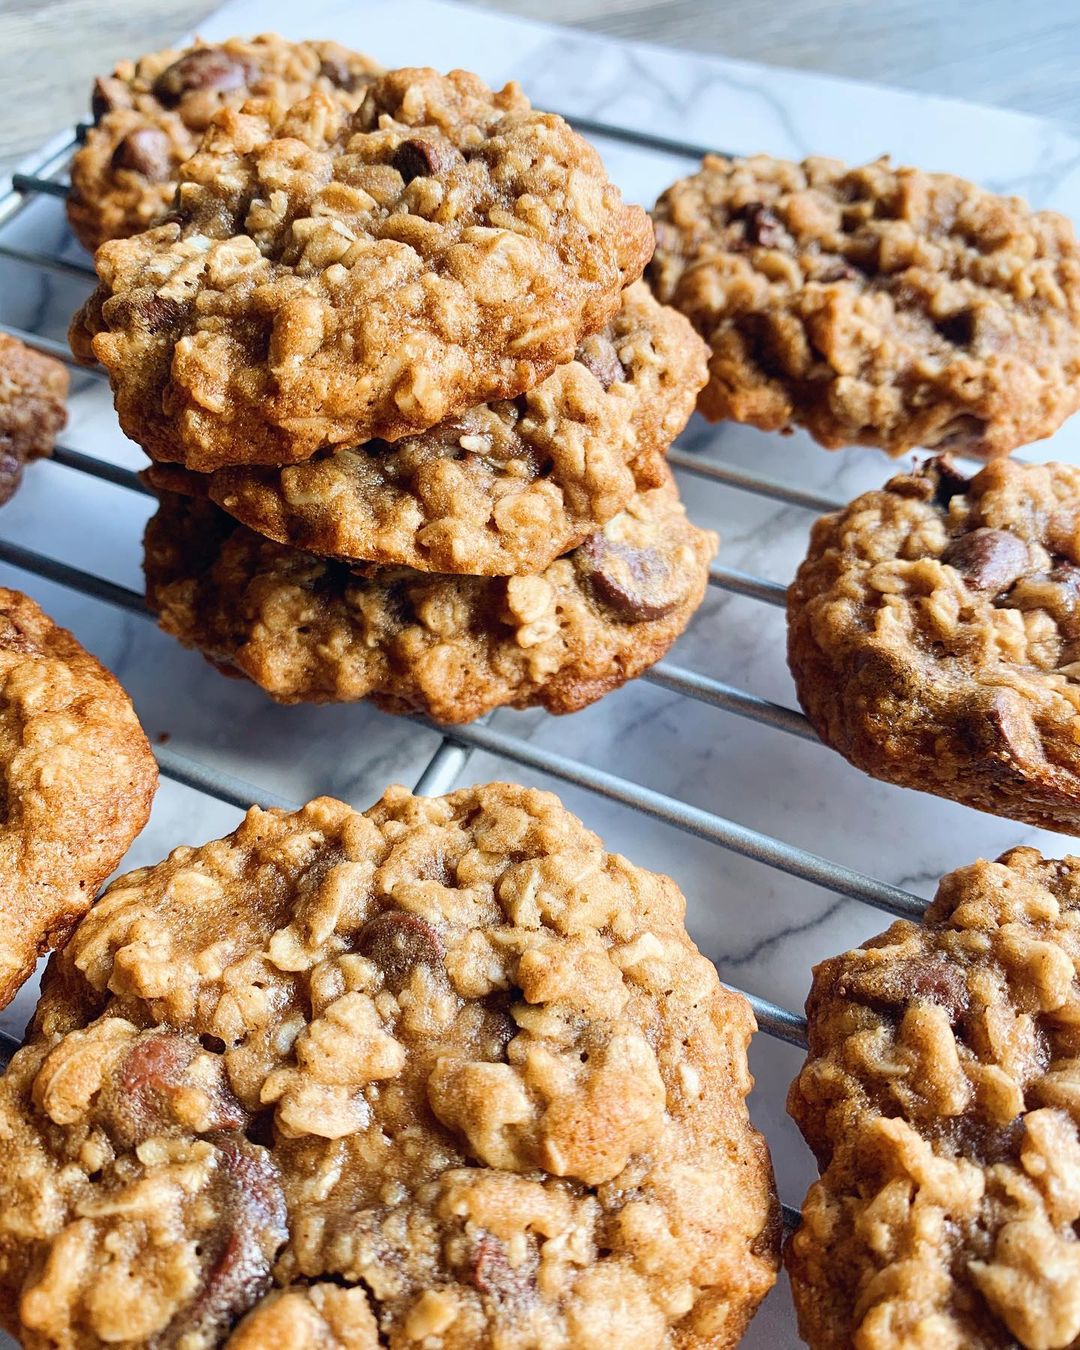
151, 1083
145, 150
988, 560
249, 1206
397, 942
957, 329
336, 69
598, 355
922, 978
206, 68
153, 313
494, 1276
108, 95
638, 584
424, 158
948, 481
763, 226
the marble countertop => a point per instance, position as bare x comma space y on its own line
763, 928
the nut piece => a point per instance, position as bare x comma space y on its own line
204, 68
988, 560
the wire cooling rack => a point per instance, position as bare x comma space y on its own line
45, 177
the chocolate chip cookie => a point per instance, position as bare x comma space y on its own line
503, 488
442, 1073
940, 1098
76, 780
33, 408
934, 636
313, 630
330, 280
150, 114
876, 305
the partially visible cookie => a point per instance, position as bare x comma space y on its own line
310, 629
940, 1097
329, 280
444, 1073
934, 636
503, 488
875, 305
33, 408
77, 777
149, 116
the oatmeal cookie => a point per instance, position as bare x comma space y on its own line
330, 280
940, 1096
314, 630
77, 777
150, 114
33, 408
874, 306
442, 1073
934, 636
506, 487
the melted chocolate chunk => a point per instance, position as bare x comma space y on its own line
204, 68
398, 942
145, 150
598, 355
637, 584
988, 560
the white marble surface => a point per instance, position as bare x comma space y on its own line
763, 929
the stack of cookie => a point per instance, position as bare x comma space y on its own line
407, 400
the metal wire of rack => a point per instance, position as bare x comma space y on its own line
458, 743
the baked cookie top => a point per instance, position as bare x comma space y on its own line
77, 777
328, 280
313, 630
934, 636
939, 1095
445, 1072
874, 305
150, 114
33, 408
503, 488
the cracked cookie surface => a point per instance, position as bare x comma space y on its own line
503, 488
874, 305
940, 1098
442, 1073
150, 114
309, 629
934, 636
77, 777
329, 280
33, 409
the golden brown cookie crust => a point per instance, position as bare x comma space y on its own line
312, 630
934, 637
874, 305
505, 488
332, 280
33, 409
78, 777
150, 114
939, 1095
446, 1068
